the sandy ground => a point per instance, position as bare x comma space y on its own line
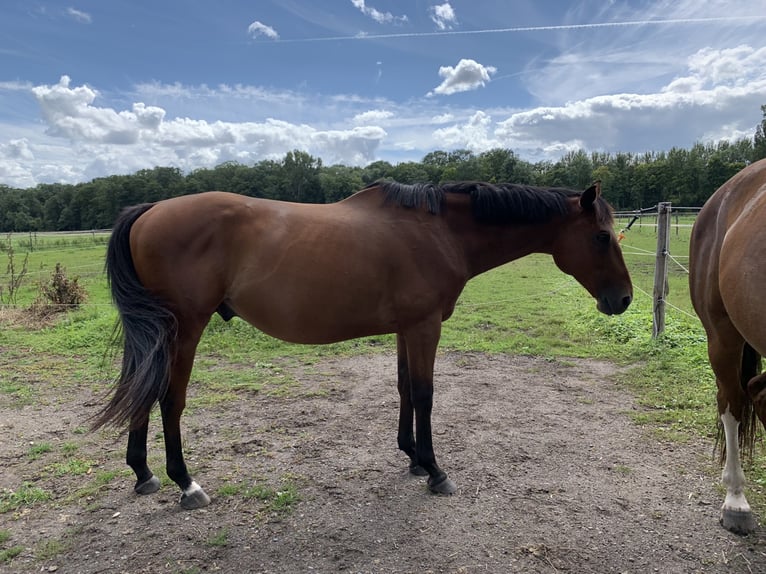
553, 476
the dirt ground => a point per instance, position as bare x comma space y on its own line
552, 477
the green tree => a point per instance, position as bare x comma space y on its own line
759, 139
300, 178
339, 182
409, 172
375, 171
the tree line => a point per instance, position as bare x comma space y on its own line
630, 181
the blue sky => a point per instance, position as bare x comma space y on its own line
91, 88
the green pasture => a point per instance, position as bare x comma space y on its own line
526, 307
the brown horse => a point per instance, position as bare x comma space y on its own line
391, 258
727, 275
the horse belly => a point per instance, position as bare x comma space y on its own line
301, 315
316, 299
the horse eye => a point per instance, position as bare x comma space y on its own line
603, 237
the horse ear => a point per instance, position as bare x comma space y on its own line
590, 195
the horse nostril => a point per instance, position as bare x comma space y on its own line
626, 301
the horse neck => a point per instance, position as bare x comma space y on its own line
486, 246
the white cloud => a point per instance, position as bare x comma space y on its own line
124, 141
379, 17
443, 15
442, 118
467, 75
80, 16
17, 149
69, 113
474, 135
260, 29
706, 101
372, 116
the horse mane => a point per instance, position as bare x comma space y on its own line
498, 203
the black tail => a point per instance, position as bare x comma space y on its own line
147, 327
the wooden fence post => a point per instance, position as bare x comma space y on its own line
661, 267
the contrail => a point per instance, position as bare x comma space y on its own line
628, 23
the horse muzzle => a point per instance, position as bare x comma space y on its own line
613, 304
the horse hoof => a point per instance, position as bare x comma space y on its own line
194, 500
444, 486
738, 521
417, 470
148, 486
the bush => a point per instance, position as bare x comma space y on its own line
59, 294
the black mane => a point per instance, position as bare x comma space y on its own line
501, 203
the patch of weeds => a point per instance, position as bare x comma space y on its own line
72, 467
69, 447
48, 549
622, 469
107, 476
279, 501
22, 393
230, 490
10, 553
37, 450
219, 539
26, 495
98, 482
5, 536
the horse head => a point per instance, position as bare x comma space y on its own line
587, 248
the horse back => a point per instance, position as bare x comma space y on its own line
728, 253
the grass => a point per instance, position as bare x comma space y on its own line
8, 554
219, 539
98, 481
37, 450
48, 549
525, 307
26, 495
280, 500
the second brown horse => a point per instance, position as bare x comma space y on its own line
391, 258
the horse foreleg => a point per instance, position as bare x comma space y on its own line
421, 352
172, 406
736, 515
405, 437
146, 482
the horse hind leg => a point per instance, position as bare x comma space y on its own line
146, 482
732, 363
172, 406
736, 515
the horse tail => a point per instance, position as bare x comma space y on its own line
751, 367
145, 325
748, 426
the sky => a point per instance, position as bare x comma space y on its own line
90, 88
